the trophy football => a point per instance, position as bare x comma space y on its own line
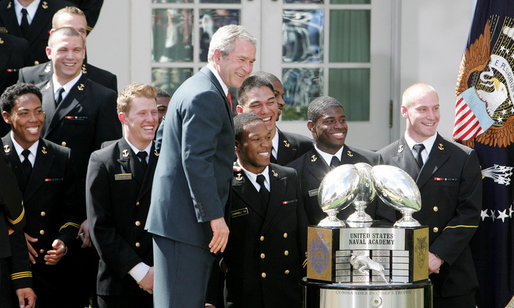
365, 195
367, 263
336, 192
398, 190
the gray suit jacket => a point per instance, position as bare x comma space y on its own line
192, 179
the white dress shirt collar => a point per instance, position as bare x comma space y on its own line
328, 157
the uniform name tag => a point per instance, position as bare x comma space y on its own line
123, 176
239, 212
313, 192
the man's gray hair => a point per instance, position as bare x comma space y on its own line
224, 39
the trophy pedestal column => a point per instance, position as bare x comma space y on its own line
352, 295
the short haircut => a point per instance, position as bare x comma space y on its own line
241, 120
249, 83
415, 92
132, 91
225, 37
269, 76
162, 93
65, 31
11, 94
319, 105
72, 10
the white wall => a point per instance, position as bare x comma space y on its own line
433, 36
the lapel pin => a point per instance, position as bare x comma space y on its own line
43, 150
350, 154
314, 158
275, 174
7, 149
440, 146
9, 5
125, 153
239, 177
286, 144
400, 148
80, 87
155, 152
44, 5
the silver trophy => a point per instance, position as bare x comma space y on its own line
336, 192
365, 195
398, 190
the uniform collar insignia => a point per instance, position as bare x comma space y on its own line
48, 68
84, 70
314, 158
275, 174
43, 150
440, 146
9, 5
7, 148
400, 148
239, 177
155, 152
286, 143
125, 153
80, 87
44, 5
1, 41
47, 86
3, 30
349, 153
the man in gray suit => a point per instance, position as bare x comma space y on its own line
192, 179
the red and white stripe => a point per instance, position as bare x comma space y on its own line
466, 124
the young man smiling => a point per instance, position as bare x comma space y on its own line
327, 123
267, 241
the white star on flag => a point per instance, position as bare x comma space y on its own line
502, 215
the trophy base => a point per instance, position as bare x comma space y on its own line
359, 217
331, 222
396, 295
407, 223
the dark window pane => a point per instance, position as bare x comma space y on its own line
301, 85
351, 88
350, 1
172, 30
170, 78
302, 33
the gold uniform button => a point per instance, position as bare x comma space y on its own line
137, 203
261, 238
36, 62
43, 214
435, 208
63, 143
263, 275
138, 244
286, 272
285, 235
42, 232
41, 250
286, 252
263, 256
436, 229
138, 223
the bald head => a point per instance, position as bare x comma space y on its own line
416, 92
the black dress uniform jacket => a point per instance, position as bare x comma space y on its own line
266, 248
118, 198
43, 72
312, 168
291, 146
39, 28
83, 121
52, 211
450, 183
